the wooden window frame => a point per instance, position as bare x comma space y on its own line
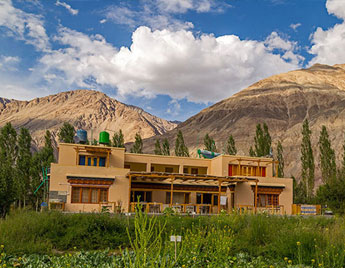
90, 188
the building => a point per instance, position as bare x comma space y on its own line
93, 178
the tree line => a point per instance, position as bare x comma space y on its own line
21, 169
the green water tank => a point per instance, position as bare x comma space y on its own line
104, 137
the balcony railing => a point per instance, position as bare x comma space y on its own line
154, 207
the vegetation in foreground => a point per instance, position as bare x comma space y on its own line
54, 239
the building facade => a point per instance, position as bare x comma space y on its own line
95, 178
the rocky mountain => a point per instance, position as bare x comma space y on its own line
91, 110
282, 101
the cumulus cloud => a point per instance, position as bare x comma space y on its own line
23, 26
176, 63
294, 26
68, 7
328, 46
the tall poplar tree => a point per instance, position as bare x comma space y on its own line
166, 147
138, 145
180, 147
118, 140
231, 146
66, 133
209, 143
307, 159
8, 156
262, 141
23, 165
327, 157
280, 159
158, 148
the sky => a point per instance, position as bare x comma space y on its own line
172, 58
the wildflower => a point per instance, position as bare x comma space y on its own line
286, 258
298, 243
70, 254
290, 261
2, 246
312, 260
320, 264
194, 258
271, 266
183, 266
4, 265
20, 258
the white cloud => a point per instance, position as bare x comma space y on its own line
176, 63
23, 26
68, 7
294, 26
103, 21
328, 46
147, 16
8, 63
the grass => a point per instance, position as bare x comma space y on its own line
232, 240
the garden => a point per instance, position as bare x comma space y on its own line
54, 239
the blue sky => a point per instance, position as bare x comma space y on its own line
170, 57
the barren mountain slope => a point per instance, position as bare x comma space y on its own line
282, 101
87, 109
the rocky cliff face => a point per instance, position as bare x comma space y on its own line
282, 101
90, 110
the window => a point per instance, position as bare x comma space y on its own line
185, 170
92, 161
102, 161
205, 198
178, 198
169, 169
82, 160
194, 171
152, 168
268, 200
92, 195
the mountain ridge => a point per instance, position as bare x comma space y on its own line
87, 109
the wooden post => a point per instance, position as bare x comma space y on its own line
258, 171
219, 193
239, 167
256, 196
129, 193
108, 156
171, 190
77, 156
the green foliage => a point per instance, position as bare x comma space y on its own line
262, 141
180, 148
280, 159
23, 166
307, 159
8, 156
138, 145
118, 140
231, 146
66, 133
332, 193
166, 147
251, 151
94, 142
327, 157
158, 148
209, 143
220, 241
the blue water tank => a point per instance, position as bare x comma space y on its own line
82, 136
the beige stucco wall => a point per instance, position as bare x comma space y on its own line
117, 191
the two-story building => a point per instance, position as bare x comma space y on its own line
88, 178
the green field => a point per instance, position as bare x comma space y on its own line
53, 239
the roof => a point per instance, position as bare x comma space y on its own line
187, 177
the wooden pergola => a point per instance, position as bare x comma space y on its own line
189, 178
